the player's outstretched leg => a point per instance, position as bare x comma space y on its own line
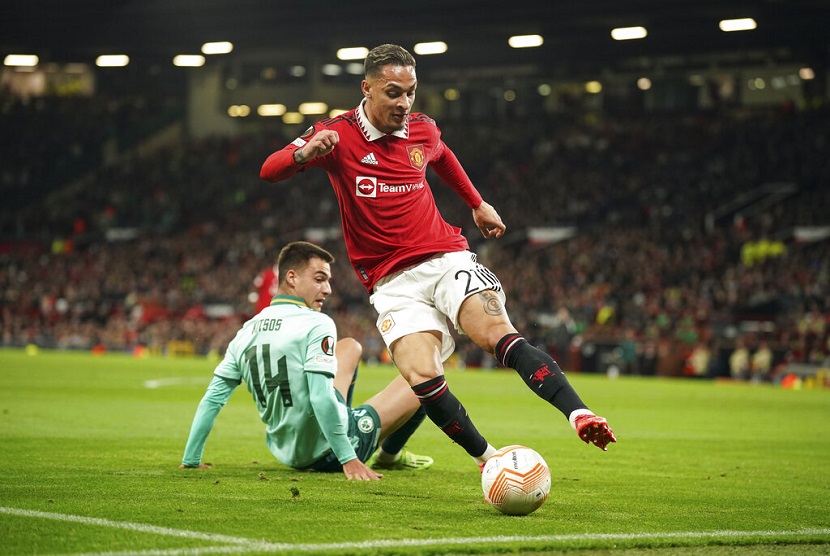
543, 375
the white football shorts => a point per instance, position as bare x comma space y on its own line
424, 296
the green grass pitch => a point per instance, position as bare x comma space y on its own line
89, 449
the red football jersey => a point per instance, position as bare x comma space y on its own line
390, 219
267, 284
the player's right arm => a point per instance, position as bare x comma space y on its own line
218, 392
291, 159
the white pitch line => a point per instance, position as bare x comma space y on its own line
140, 527
238, 544
560, 538
176, 381
226, 549
417, 543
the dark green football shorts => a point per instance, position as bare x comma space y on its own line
364, 431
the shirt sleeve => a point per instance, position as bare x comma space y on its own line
331, 415
449, 169
280, 165
322, 338
218, 393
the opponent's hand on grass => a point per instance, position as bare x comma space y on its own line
357, 470
593, 429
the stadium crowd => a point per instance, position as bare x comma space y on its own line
159, 252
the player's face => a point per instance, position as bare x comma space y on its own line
313, 284
389, 97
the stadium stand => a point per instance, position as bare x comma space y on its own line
689, 230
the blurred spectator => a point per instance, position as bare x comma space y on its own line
761, 364
266, 284
739, 361
562, 330
698, 362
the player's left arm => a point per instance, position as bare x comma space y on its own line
488, 221
331, 416
218, 393
449, 169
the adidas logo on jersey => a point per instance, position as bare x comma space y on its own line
369, 159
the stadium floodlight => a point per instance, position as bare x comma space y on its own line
313, 108
331, 69
21, 60
271, 109
292, 118
525, 41
593, 87
428, 48
352, 53
628, 33
112, 60
239, 111
221, 47
742, 24
189, 60
354, 68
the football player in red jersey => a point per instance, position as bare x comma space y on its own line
418, 268
266, 284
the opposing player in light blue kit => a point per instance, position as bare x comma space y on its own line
300, 378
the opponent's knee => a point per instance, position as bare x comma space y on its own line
348, 347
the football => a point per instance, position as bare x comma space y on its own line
516, 480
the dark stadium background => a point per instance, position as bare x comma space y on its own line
694, 210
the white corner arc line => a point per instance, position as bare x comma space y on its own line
241, 543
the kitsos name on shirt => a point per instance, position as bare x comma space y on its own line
265, 325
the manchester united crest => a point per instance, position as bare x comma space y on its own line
386, 325
417, 158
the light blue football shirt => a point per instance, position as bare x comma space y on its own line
272, 353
